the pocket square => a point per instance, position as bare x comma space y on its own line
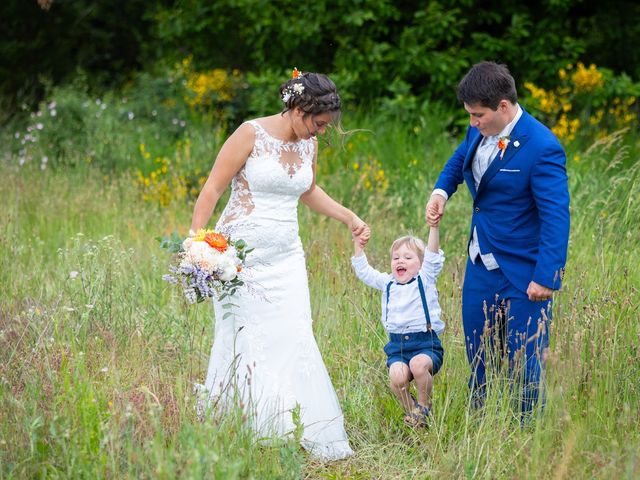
509, 170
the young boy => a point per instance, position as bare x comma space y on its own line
411, 316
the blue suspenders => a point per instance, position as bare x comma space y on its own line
423, 297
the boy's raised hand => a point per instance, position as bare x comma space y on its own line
435, 210
361, 240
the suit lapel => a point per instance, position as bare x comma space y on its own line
466, 169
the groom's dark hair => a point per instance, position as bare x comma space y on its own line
486, 84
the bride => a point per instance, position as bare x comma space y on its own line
264, 356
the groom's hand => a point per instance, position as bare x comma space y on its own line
435, 210
538, 293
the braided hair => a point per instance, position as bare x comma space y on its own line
313, 93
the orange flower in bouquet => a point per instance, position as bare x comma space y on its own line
217, 241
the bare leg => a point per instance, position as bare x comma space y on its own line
399, 378
421, 367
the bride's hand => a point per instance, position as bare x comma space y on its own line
364, 237
360, 231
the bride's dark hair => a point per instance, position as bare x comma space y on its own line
314, 93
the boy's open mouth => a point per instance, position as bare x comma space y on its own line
400, 270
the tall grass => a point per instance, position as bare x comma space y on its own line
99, 355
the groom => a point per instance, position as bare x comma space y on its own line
515, 170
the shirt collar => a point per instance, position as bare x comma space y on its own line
410, 281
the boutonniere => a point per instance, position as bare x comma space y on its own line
502, 144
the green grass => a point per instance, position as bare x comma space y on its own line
96, 370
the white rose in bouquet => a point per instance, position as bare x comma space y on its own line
228, 269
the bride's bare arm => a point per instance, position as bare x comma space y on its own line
230, 159
319, 201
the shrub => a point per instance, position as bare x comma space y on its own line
588, 102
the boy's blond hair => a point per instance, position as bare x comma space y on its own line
414, 243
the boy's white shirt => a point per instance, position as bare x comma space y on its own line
404, 310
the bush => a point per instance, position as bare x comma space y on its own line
588, 102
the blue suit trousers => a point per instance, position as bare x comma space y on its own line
503, 329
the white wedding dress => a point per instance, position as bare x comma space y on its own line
264, 353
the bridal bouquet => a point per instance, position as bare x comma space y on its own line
207, 264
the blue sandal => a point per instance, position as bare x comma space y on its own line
419, 415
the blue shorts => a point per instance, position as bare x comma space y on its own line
402, 347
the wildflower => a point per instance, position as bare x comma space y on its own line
73, 274
587, 79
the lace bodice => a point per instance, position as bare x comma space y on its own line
268, 186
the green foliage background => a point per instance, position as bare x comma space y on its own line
104, 148
375, 48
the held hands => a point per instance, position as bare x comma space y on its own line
360, 232
435, 210
538, 293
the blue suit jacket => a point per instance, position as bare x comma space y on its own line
521, 207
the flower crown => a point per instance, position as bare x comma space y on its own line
294, 89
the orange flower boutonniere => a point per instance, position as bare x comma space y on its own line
502, 145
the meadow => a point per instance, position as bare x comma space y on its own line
99, 355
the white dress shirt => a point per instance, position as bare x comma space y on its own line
403, 311
486, 152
